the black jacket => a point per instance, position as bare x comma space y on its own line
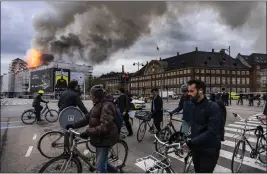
37, 101
123, 103
71, 98
157, 113
265, 109
205, 126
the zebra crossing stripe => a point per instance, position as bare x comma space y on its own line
241, 126
249, 124
236, 130
247, 161
250, 139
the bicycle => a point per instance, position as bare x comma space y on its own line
72, 154
256, 152
145, 116
51, 115
162, 165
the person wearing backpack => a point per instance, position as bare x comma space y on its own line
123, 103
217, 98
205, 143
102, 130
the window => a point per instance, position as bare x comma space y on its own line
196, 70
217, 71
218, 80
185, 79
177, 72
178, 81
233, 81
181, 72
238, 80
196, 77
202, 71
185, 71
223, 71
238, 72
212, 80
223, 80
181, 81
174, 81
203, 79
243, 81
174, 73
243, 73
189, 71
188, 78
207, 80
247, 73
247, 90
212, 71
247, 81
233, 72
207, 71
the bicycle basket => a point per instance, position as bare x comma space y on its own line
143, 115
152, 164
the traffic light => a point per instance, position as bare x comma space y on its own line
124, 78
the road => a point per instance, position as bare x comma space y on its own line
19, 141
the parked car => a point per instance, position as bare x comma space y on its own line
137, 104
234, 96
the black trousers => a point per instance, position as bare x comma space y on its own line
127, 123
38, 110
157, 122
206, 160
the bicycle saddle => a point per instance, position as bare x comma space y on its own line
177, 137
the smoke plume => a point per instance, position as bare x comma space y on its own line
94, 31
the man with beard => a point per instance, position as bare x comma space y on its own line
205, 143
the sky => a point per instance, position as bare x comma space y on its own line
179, 29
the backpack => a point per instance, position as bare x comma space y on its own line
223, 119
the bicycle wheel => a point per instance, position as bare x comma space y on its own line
28, 116
188, 167
74, 165
141, 131
51, 144
118, 154
51, 115
238, 156
164, 136
263, 149
90, 147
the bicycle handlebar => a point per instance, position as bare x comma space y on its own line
248, 119
74, 132
166, 144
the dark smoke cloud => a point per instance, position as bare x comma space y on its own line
97, 30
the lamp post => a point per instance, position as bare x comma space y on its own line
138, 64
230, 69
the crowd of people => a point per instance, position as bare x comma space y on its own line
205, 117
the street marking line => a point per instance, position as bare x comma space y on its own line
250, 124
241, 126
250, 139
29, 151
255, 122
236, 130
12, 127
12, 122
247, 161
34, 137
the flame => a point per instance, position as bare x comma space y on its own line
33, 58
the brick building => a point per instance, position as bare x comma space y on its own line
217, 70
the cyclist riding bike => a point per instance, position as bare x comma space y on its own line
37, 104
70, 97
185, 105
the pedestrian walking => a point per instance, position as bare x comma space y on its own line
157, 109
102, 130
205, 143
240, 99
185, 105
123, 103
251, 99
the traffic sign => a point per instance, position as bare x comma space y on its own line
69, 115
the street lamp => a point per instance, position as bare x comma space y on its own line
138, 64
223, 52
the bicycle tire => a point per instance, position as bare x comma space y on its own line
50, 111
165, 132
32, 113
263, 159
139, 129
242, 154
125, 156
39, 147
76, 161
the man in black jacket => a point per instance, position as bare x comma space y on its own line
123, 103
37, 104
157, 109
205, 142
71, 98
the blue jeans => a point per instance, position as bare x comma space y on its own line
102, 164
185, 127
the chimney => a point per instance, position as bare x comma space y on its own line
177, 53
196, 49
213, 50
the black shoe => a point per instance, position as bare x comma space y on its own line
129, 135
40, 120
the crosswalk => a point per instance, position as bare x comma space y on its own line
224, 163
14, 103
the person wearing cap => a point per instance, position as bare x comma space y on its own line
102, 130
124, 105
37, 104
157, 109
71, 97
